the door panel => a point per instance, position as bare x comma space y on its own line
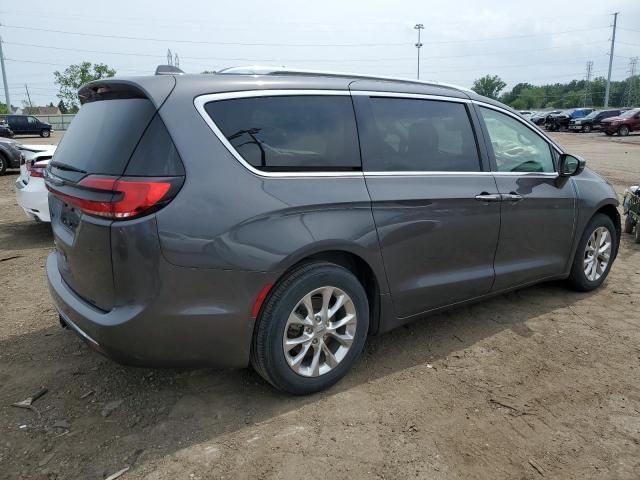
537, 231
423, 170
538, 207
437, 240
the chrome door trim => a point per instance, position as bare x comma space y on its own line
419, 96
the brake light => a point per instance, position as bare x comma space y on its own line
118, 198
36, 169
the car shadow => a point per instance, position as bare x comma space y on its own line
25, 236
164, 411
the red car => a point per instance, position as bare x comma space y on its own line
627, 122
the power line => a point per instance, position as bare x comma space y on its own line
261, 44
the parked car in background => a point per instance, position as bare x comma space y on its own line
623, 124
10, 154
592, 121
31, 191
316, 233
5, 130
540, 117
28, 125
560, 121
527, 114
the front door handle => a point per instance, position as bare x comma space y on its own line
489, 197
511, 197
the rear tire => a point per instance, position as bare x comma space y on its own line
312, 333
45, 133
628, 224
3, 164
623, 131
588, 249
637, 236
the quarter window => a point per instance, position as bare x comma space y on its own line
291, 133
516, 147
402, 134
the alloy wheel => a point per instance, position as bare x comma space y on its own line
320, 331
597, 254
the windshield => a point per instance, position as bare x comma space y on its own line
592, 114
630, 113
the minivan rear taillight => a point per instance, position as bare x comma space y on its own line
36, 169
119, 198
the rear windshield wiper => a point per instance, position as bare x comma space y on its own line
65, 166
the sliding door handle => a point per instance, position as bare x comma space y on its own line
489, 197
511, 197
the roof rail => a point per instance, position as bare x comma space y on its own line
168, 70
267, 70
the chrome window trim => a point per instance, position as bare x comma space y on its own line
201, 100
418, 96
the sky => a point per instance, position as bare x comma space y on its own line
537, 41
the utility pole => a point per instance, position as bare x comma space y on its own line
419, 27
29, 97
587, 87
633, 64
4, 79
613, 44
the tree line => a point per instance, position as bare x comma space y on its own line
576, 93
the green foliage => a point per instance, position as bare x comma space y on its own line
74, 76
489, 86
572, 94
62, 107
3, 109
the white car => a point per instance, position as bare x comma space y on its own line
31, 191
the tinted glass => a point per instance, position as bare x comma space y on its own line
103, 135
291, 132
418, 135
155, 155
516, 147
32, 121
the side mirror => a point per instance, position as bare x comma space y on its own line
570, 165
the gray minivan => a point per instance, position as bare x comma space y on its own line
279, 218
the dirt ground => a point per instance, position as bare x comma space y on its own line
540, 383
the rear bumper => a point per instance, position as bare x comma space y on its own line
197, 318
33, 199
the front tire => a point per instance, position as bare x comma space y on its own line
312, 328
586, 129
595, 254
3, 164
45, 133
637, 236
623, 131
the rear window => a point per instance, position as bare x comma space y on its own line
290, 133
103, 134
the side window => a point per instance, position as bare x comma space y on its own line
402, 134
291, 133
516, 147
32, 121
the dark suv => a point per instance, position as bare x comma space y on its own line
593, 121
28, 125
279, 219
561, 120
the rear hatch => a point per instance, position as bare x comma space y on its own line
116, 162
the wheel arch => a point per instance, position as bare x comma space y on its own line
373, 282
